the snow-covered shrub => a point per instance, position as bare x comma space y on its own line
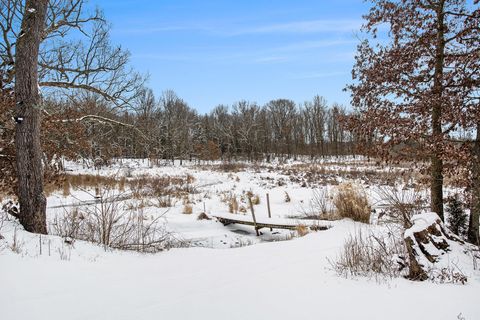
107, 224
321, 201
367, 254
401, 203
448, 275
320, 206
69, 225
456, 216
351, 202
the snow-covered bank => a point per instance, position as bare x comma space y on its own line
282, 280
236, 275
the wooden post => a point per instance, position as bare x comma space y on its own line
268, 207
253, 215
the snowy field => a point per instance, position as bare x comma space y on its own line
216, 271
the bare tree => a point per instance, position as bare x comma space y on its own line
90, 63
148, 120
224, 129
315, 114
245, 118
177, 123
93, 67
90, 67
282, 113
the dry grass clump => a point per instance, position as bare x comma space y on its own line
322, 174
351, 202
190, 179
228, 167
164, 202
232, 167
89, 181
160, 186
121, 184
230, 199
302, 230
163, 187
203, 216
233, 205
65, 188
253, 197
187, 209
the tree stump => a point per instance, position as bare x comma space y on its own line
426, 240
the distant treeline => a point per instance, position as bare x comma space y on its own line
167, 128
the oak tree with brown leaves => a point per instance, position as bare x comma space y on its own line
416, 84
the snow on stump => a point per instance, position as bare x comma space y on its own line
426, 240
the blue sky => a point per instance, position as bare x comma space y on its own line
213, 52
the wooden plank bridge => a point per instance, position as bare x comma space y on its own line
271, 224
257, 225
263, 224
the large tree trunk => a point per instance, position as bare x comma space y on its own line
28, 116
436, 186
473, 235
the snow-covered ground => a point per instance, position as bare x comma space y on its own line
227, 272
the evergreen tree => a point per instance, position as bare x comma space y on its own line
457, 218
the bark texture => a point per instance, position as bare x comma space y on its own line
436, 185
28, 117
473, 235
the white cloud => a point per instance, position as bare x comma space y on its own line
271, 59
318, 75
311, 26
306, 45
158, 29
297, 27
